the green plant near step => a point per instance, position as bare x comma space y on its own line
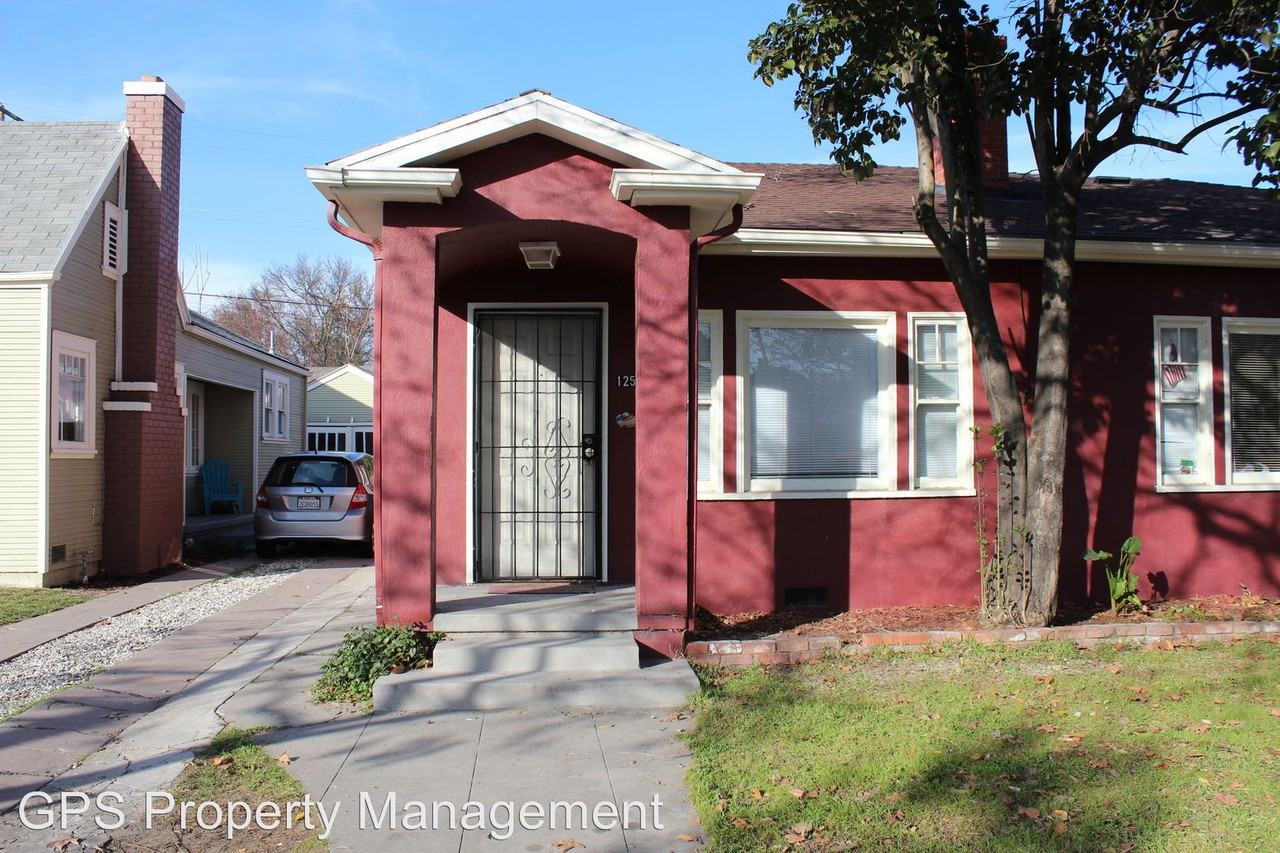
1122, 582
367, 654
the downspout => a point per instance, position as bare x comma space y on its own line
692, 474
375, 246
124, 214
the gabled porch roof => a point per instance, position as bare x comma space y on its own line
411, 167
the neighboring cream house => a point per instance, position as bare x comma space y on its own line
340, 409
102, 361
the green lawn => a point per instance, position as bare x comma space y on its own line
19, 604
989, 748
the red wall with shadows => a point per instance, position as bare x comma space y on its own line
873, 552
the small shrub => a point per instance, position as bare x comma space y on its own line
367, 654
1122, 581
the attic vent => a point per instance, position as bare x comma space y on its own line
113, 226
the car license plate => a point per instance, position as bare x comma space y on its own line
308, 503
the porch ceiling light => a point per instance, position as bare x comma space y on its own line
540, 256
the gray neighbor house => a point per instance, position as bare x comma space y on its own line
90, 440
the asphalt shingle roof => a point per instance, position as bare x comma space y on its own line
817, 197
48, 174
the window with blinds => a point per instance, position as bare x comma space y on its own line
710, 429
820, 404
1184, 407
1253, 368
942, 400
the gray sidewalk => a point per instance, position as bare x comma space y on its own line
252, 665
540, 755
163, 701
21, 637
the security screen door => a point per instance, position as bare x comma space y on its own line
538, 453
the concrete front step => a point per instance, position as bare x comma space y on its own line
537, 652
473, 609
665, 685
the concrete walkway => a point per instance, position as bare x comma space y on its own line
537, 756
21, 637
252, 665
154, 708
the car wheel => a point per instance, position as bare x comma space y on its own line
265, 548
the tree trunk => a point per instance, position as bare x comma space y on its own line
1047, 449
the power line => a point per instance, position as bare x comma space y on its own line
277, 301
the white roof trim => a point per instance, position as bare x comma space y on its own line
337, 373
11, 279
872, 244
660, 187
361, 191
533, 112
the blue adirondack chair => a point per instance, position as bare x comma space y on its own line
215, 478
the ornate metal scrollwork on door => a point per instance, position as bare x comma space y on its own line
557, 459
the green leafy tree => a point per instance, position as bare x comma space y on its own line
1090, 79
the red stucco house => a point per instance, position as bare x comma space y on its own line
739, 386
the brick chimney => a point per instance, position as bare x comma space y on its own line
993, 137
144, 433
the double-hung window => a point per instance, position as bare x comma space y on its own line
74, 395
1184, 401
1252, 351
941, 402
819, 401
275, 406
710, 418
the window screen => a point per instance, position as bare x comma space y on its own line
1255, 402
814, 402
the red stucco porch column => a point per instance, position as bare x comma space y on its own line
663, 487
404, 426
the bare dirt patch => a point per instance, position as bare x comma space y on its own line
850, 625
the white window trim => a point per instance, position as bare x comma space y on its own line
964, 444
1204, 418
64, 342
1268, 326
884, 324
715, 444
200, 415
280, 402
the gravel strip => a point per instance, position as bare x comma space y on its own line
72, 659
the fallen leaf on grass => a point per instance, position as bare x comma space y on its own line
1228, 800
1275, 712
1200, 729
1114, 668
897, 816
564, 845
757, 794
1044, 679
1059, 814
1029, 812
1059, 829
740, 823
219, 760
894, 797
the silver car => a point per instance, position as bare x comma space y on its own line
315, 495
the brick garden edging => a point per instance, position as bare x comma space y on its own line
796, 648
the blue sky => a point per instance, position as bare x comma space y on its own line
273, 86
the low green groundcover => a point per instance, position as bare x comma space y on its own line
19, 604
991, 748
367, 654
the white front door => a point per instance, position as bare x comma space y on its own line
538, 450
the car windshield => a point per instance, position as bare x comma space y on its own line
311, 472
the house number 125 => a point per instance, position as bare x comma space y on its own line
626, 381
